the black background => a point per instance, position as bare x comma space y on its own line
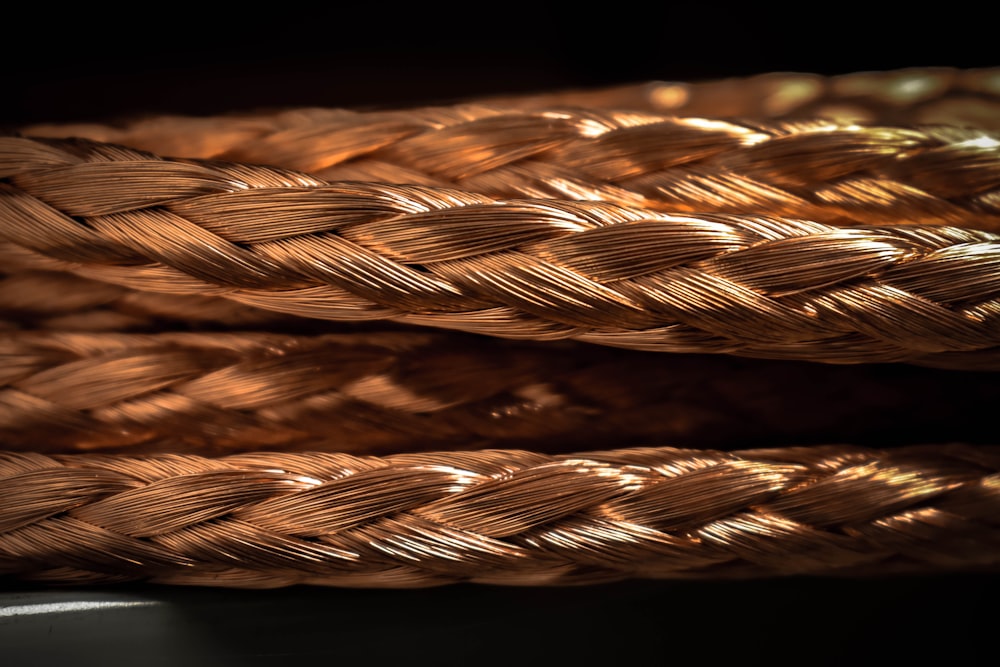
78, 64
82, 63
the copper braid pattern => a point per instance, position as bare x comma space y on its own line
769, 234
386, 392
352, 145
498, 516
824, 171
529, 269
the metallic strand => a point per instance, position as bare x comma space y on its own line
498, 517
526, 269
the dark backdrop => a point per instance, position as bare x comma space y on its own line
78, 64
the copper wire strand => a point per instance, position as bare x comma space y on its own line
387, 392
827, 171
504, 517
527, 269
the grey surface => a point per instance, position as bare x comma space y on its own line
786, 621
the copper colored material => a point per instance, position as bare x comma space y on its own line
300, 294
498, 517
529, 269
826, 171
910, 96
386, 392
60, 301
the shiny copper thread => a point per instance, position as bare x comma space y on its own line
797, 218
498, 516
528, 269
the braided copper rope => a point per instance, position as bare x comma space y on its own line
824, 171
532, 269
385, 392
919, 509
498, 517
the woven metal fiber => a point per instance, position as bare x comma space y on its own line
742, 328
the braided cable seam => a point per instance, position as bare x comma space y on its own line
500, 517
537, 269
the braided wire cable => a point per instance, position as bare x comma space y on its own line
386, 392
531, 269
825, 171
54, 300
498, 517
787, 216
